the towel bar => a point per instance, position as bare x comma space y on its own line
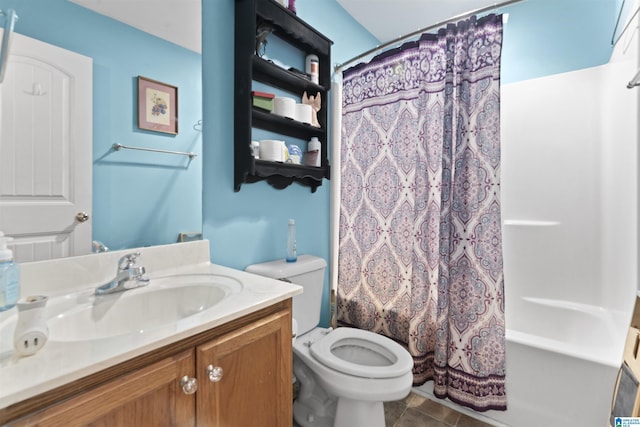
118, 147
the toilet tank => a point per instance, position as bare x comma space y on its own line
308, 272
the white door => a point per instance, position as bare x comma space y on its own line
45, 150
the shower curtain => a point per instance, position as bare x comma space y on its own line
420, 245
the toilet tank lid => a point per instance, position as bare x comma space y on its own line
281, 269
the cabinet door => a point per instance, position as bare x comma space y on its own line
151, 396
255, 387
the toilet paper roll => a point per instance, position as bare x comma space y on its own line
272, 150
303, 113
285, 107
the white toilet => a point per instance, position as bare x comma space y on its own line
345, 374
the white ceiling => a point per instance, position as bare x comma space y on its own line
179, 21
388, 20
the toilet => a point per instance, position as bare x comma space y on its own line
345, 374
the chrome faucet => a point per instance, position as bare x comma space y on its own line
129, 276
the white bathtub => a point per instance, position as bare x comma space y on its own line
562, 363
576, 330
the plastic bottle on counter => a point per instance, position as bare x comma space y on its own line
292, 255
9, 276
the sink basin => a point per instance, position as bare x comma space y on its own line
165, 302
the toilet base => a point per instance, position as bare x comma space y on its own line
306, 416
358, 413
349, 413
313, 407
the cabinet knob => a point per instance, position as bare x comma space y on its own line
215, 373
189, 385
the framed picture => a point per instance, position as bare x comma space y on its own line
157, 106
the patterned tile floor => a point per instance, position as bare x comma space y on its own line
417, 411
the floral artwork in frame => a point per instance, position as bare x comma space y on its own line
157, 106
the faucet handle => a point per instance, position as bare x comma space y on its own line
128, 261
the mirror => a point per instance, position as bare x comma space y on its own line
139, 198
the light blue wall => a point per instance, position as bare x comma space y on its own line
250, 226
544, 37
140, 199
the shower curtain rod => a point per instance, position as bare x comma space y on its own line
614, 41
378, 48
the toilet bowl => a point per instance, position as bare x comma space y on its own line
345, 374
361, 354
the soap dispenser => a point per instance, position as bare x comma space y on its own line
9, 276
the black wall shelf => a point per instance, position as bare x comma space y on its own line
289, 27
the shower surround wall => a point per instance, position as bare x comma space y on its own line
569, 197
569, 186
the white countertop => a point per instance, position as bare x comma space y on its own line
61, 362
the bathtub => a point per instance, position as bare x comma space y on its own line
562, 364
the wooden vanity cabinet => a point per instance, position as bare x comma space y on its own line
254, 389
150, 396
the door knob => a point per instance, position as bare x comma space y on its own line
82, 216
214, 373
189, 385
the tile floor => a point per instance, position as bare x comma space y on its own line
417, 411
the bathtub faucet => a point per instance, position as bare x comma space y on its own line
129, 276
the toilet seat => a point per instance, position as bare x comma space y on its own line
377, 356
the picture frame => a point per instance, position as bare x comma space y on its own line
157, 106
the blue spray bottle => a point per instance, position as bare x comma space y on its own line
292, 255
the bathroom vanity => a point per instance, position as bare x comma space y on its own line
229, 364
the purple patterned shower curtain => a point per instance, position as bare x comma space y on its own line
420, 244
